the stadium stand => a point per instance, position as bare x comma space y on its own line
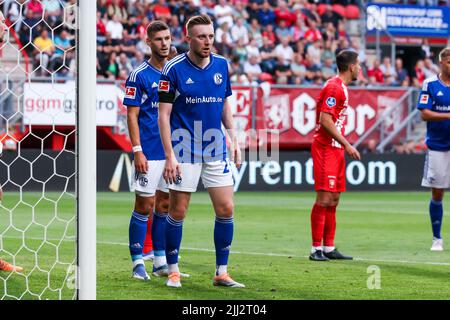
312, 33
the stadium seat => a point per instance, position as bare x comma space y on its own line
266, 77
352, 12
340, 9
321, 8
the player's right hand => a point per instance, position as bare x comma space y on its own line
140, 162
172, 171
235, 155
352, 152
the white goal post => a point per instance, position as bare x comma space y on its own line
87, 148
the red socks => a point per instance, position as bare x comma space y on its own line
148, 243
323, 225
317, 224
330, 227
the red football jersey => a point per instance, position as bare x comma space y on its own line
333, 99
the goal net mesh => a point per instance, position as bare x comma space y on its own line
38, 213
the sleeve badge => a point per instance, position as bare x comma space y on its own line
331, 102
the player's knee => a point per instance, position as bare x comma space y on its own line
335, 202
143, 210
144, 205
437, 194
328, 199
325, 202
178, 211
162, 206
177, 215
225, 210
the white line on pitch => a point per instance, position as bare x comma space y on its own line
294, 256
268, 254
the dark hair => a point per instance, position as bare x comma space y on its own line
156, 26
345, 58
202, 19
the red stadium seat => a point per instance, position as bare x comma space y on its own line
352, 12
266, 77
321, 8
338, 8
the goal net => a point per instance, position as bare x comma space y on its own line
38, 131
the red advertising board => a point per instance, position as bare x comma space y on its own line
241, 102
292, 112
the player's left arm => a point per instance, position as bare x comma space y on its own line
166, 94
228, 123
171, 167
326, 121
227, 120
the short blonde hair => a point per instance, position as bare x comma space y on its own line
202, 19
444, 53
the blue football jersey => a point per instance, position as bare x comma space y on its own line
197, 96
142, 91
435, 96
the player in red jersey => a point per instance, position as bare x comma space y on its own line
327, 152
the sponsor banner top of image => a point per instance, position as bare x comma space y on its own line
292, 113
408, 20
54, 104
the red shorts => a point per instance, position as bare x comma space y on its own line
329, 168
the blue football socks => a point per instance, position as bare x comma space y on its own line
436, 214
223, 236
174, 233
137, 233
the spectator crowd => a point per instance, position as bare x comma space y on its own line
45, 32
279, 41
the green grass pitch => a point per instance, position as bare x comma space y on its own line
388, 231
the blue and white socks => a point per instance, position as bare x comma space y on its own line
137, 233
223, 236
436, 214
159, 238
174, 233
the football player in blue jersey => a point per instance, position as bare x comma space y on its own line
193, 93
141, 99
434, 104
